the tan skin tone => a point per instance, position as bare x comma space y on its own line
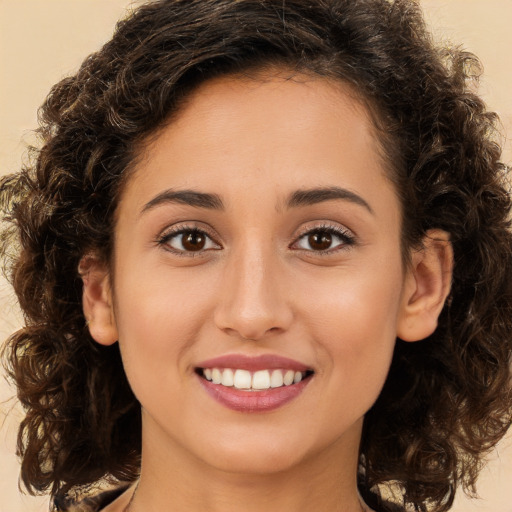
318, 280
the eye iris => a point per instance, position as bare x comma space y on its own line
193, 241
320, 240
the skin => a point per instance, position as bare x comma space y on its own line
260, 287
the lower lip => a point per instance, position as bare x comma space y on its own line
253, 401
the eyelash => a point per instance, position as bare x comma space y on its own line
167, 236
347, 237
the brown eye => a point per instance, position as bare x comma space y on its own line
193, 241
188, 241
325, 240
320, 240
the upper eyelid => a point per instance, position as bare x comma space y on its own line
325, 225
341, 231
180, 227
165, 236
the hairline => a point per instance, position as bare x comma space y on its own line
387, 145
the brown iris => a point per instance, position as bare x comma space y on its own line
193, 241
320, 240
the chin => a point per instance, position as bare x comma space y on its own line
255, 461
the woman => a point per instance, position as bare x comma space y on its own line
264, 258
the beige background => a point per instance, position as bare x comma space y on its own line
44, 40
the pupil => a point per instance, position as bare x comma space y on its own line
320, 240
193, 241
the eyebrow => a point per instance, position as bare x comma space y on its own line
319, 195
297, 199
188, 197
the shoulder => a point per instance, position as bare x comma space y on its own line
95, 503
377, 504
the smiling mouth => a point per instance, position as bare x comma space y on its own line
261, 380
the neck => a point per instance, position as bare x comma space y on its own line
173, 480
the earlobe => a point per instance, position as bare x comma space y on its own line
427, 285
97, 300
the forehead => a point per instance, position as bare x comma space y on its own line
238, 134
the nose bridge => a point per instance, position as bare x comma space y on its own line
253, 302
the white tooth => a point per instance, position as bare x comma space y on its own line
242, 379
207, 373
297, 377
261, 380
276, 380
227, 377
216, 376
288, 377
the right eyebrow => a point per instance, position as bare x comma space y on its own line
188, 197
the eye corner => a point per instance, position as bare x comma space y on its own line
198, 241
326, 234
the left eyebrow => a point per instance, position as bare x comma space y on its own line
188, 197
319, 195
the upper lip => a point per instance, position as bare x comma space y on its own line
254, 363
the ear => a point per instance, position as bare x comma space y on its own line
427, 284
97, 300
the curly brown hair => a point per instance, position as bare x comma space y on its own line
447, 399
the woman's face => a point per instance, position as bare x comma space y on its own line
258, 233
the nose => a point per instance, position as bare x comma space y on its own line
253, 302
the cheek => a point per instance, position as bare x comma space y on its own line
158, 317
353, 301
353, 320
